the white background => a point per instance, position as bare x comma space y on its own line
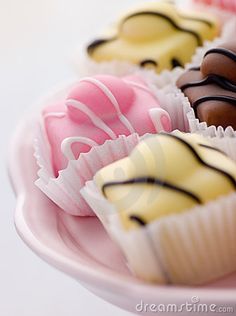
37, 39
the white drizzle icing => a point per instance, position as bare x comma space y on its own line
66, 145
93, 117
54, 114
138, 85
113, 100
156, 115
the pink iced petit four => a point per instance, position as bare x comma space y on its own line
97, 109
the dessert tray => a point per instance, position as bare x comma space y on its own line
81, 248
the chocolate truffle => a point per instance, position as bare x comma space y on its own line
211, 88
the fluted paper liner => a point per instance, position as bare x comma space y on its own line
191, 248
177, 99
171, 102
88, 67
64, 190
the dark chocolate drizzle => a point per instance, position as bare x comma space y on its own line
208, 23
221, 98
211, 79
195, 68
176, 63
222, 51
200, 160
91, 47
155, 181
173, 23
152, 181
212, 148
145, 62
137, 219
98, 42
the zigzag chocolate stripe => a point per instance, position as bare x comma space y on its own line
222, 172
176, 63
222, 51
153, 181
145, 62
212, 79
190, 18
102, 41
98, 42
212, 148
137, 219
221, 98
195, 68
173, 23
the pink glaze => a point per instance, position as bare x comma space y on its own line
100, 108
222, 4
